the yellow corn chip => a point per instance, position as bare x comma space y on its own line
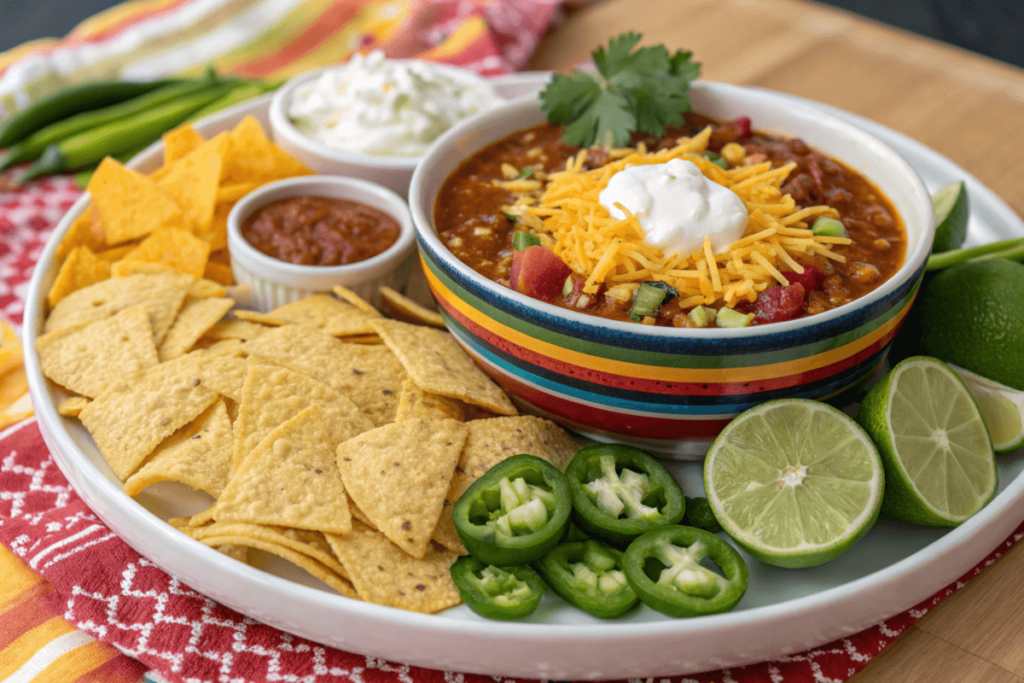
179, 142
370, 376
81, 234
234, 348
222, 256
126, 267
223, 373
199, 456
310, 543
235, 329
20, 409
192, 182
179, 249
162, 294
491, 441
203, 518
72, 407
415, 402
358, 514
80, 269
217, 234
385, 575
115, 254
291, 479
272, 395
399, 474
131, 418
235, 191
219, 273
401, 307
194, 319
252, 158
322, 311
205, 289
438, 365
89, 357
130, 204
348, 295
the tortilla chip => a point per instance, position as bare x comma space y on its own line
310, 543
316, 569
199, 456
491, 441
203, 518
220, 256
89, 357
72, 406
370, 376
192, 182
291, 479
13, 386
417, 403
364, 339
217, 234
130, 204
273, 395
205, 289
132, 417
161, 293
81, 234
219, 273
234, 191
115, 254
126, 267
322, 311
235, 329
358, 514
348, 295
80, 269
438, 365
222, 373
19, 410
179, 249
233, 348
194, 319
399, 474
179, 142
384, 575
401, 307
252, 158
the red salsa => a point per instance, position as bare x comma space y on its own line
320, 231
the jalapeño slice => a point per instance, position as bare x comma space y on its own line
497, 592
515, 513
664, 569
589, 575
619, 492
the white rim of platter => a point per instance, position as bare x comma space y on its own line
784, 611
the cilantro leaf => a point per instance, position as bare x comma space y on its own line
642, 89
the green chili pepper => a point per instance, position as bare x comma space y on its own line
515, 513
700, 515
619, 492
716, 159
589, 575
497, 592
663, 567
70, 101
522, 240
240, 93
89, 147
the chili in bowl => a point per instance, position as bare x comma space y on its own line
662, 386
296, 237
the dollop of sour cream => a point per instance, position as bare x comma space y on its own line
677, 206
373, 105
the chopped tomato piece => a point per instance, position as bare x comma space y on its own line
811, 278
730, 131
779, 303
538, 273
576, 297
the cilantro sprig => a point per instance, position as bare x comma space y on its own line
642, 90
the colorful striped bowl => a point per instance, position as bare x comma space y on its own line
669, 390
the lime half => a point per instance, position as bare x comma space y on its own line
1002, 408
795, 482
939, 464
952, 211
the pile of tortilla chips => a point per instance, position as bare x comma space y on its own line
325, 433
15, 402
174, 219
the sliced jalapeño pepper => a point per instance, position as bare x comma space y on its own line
663, 567
619, 492
589, 574
497, 592
515, 513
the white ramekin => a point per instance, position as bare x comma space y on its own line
274, 283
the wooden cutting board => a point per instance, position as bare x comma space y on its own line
965, 106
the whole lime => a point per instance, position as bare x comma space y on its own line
972, 314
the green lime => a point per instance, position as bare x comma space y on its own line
1002, 408
795, 482
952, 209
972, 314
939, 464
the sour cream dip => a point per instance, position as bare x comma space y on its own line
677, 206
373, 105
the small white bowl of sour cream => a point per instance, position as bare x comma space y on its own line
374, 118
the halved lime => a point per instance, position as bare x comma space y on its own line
795, 482
952, 211
1001, 406
939, 464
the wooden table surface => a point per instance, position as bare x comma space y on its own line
965, 106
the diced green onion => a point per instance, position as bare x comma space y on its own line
716, 159
567, 287
511, 217
829, 227
526, 173
728, 317
649, 298
522, 240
